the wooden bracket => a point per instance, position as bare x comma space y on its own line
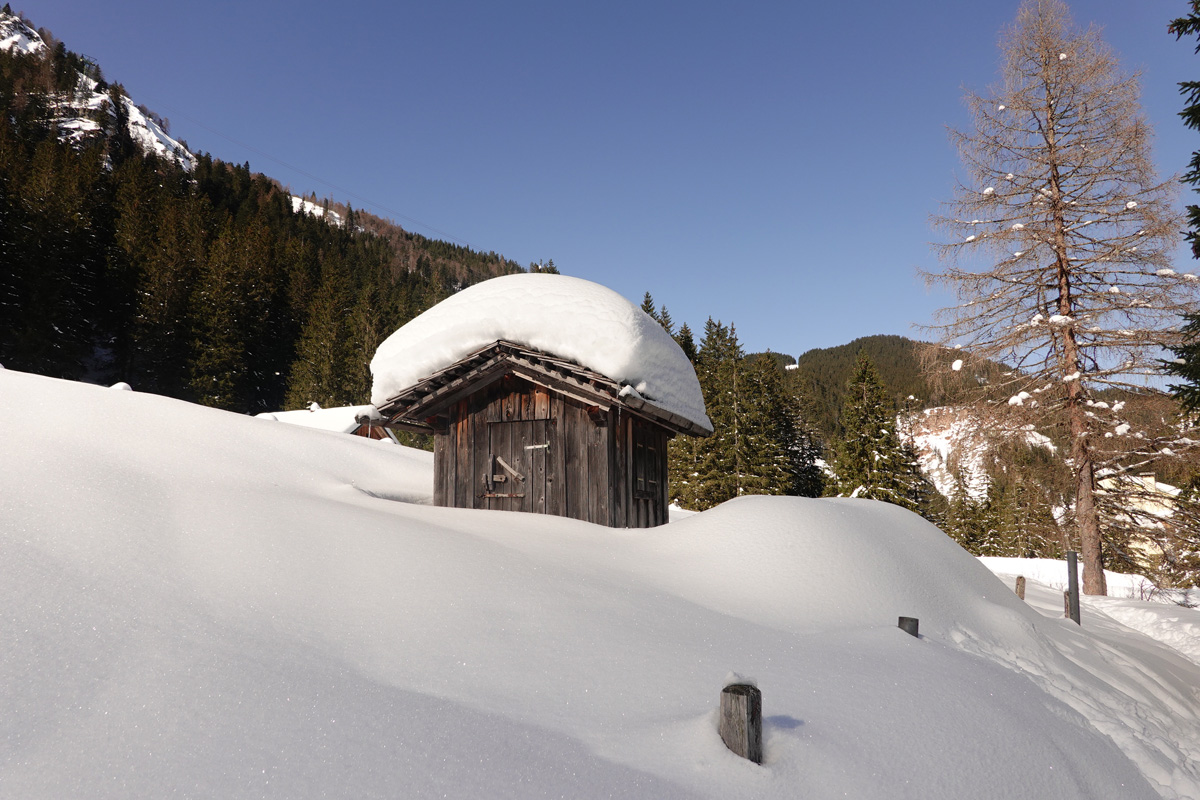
509, 469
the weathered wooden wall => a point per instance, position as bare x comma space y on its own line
608, 468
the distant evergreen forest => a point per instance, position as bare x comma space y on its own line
203, 285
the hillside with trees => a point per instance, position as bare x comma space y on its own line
193, 278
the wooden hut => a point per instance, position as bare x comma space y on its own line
517, 429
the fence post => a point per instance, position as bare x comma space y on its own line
741, 720
1021, 586
1072, 587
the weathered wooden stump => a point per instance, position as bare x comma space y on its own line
909, 625
741, 720
1021, 586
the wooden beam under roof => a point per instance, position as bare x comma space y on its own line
436, 393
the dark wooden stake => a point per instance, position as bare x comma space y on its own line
741, 720
1021, 586
1072, 587
909, 625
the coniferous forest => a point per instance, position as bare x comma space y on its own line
203, 285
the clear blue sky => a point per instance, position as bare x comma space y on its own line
773, 165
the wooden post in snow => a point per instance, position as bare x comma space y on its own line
741, 720
1021, 586
1072, 587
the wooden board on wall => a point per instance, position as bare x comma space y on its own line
573, 463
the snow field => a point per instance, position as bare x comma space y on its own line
205, 604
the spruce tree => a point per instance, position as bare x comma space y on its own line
664, 319
218, 353
870, 460
321, 354
686, 342
719, 458
648, 307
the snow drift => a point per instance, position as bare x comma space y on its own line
204, 604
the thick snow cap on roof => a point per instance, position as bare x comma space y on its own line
567, 317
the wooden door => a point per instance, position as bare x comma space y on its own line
515, 470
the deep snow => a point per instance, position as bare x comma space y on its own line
568, 317
204, 604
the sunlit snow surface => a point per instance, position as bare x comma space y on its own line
203, 604
567, 317
334, 420
17, 37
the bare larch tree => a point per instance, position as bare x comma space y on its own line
1057, 245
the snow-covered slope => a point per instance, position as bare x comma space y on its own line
77, 113
202, 604
335, 420
299, 204
953, 442
18, 37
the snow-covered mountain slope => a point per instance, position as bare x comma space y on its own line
17, 36
300, 204
78, 113
198, 603
951, 439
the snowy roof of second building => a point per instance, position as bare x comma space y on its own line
337, 420
564, 316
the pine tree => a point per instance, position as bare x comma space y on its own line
1189, 25
664, 319
787, 457
648, 307
719, 458
686, 342
760, 444
1073, 233
321, 354
218, 360
766, 433
870, 460
161, 333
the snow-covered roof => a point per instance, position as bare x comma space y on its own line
564, 316
338, 420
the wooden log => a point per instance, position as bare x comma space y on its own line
741, 720
1021, 586
909, 625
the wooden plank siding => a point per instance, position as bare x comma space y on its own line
600, 493
604, 465
557, 481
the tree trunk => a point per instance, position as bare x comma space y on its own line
1086, 516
